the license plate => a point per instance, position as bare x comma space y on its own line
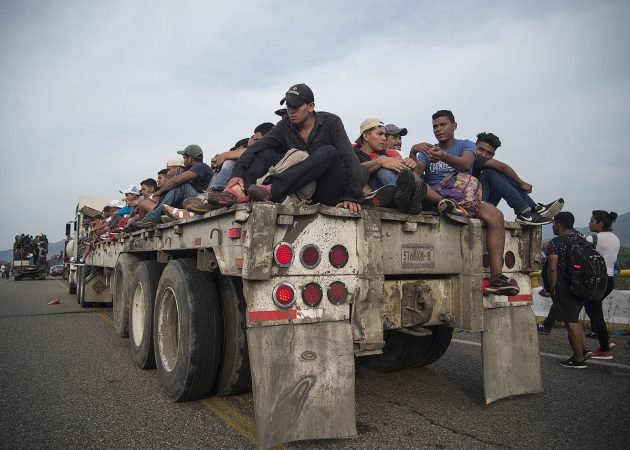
418, 256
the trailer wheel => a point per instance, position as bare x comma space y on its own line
403, 351
17, 278
121, 292
234, 375
187, 331
144, 288
72, 288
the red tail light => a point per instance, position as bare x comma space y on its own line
338, 256
309, 256
510, 260
283, 254
337, 293
284, 295
312, 294
486, 260
234, 233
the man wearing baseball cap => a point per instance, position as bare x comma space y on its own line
191, 182
394, 136
331, 162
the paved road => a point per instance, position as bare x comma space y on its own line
66, 381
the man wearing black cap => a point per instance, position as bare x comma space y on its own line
393, 136
331, 163
185, 185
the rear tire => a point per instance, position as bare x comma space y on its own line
121, 292
403, 351
80, 285
234, 375
144, 288
187, 331
72, 288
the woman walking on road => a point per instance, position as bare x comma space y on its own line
607, 245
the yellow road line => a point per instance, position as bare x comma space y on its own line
63, 285
236, 420
108, 320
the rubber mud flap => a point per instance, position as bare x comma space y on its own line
303, 382
510, 354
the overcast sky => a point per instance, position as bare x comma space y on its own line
99, 94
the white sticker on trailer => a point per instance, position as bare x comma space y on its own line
311, 313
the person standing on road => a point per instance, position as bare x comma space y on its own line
607, 245
566, 306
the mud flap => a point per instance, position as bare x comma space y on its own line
509, 347
303, 382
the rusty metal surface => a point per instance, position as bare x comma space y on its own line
97, 288
312, 392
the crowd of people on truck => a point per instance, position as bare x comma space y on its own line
307, 157
30, 248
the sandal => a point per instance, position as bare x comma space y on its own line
177, 213
227, 197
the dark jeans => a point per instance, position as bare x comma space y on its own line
175, 197
596, 314
497, 186
322, 166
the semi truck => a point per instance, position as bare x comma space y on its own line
285, 300
29, 259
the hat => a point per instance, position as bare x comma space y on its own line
131, 189
281, 112
297, 95
178, 161
368, 123
192, 150
116, 204
393, 129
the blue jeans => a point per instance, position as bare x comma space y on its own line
497, 186
175, 197
382, 177
220, 180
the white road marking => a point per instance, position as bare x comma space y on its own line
601, 362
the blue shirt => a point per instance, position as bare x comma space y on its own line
436, 172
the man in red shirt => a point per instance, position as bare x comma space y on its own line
386, 167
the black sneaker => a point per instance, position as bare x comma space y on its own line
591, 334
543, 329
419, 194
550, 209
405, 186
530, 218
144, 223
502, 285
573, 364
382, 196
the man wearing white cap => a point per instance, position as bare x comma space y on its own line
175, 166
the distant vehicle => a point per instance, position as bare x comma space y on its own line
56, 270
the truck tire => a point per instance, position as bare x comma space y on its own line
234, 376
187, 331
403, 351
72, 288
144, 288
121, 292
17, 278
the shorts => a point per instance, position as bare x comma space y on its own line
567, 306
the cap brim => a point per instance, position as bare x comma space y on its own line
403, 132
293, 101
182, 152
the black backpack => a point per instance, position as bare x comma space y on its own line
587, 270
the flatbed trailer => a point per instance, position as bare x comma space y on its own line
284, 299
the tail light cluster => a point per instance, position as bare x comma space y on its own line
285, 294
310, 255
509, 260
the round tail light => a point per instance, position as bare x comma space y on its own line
510, 260
284, 295
283, 254
337, 293
486, 260
312, 294
309, 256
338, 256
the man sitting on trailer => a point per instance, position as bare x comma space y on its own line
331, 162
394, 136
387, 169
185, 185
450, 155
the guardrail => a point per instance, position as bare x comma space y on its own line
535, 276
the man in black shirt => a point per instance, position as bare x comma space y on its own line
567, 306
331, 163
501, 181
